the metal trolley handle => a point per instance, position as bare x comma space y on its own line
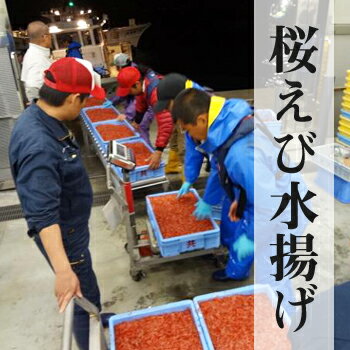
97, 340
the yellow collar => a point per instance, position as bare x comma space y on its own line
189, 84
216, 104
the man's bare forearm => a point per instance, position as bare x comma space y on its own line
51, 238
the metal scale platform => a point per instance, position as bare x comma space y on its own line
91, 143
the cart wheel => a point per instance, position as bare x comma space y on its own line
220, 261
137, 276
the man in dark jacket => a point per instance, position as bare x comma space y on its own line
53, 186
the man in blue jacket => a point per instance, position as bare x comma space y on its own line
224, 129
168, 88
73, 47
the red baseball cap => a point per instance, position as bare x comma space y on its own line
126, 78
75, 75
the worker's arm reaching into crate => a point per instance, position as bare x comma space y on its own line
213, 191
214, 121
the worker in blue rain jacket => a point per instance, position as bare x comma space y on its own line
73, 47
225, 130
214, 122
214, 193
192, 158
122, 60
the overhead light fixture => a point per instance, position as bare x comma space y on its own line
69, 20
82, 24
98, 18
89, 11
57, 13
81, 12
54, 29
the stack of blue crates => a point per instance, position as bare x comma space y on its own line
140, 173
195, 308
96, 135
86, 118
345, 124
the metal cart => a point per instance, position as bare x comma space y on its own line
122, 194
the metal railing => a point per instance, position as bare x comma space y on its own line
97, 340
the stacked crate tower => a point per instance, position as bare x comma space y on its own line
343, 134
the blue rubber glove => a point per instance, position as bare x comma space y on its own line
244, 247
185, 188
107, 104
203, 210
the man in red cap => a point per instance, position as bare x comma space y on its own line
143, 83
53, 185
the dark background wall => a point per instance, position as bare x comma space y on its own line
211, 42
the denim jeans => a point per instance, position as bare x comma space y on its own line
82, 267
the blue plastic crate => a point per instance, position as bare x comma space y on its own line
141, 172
104, 144
177, 245
153, 311
86, 117
331, 169
341, 186
343, 139
248, 290
345, 113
